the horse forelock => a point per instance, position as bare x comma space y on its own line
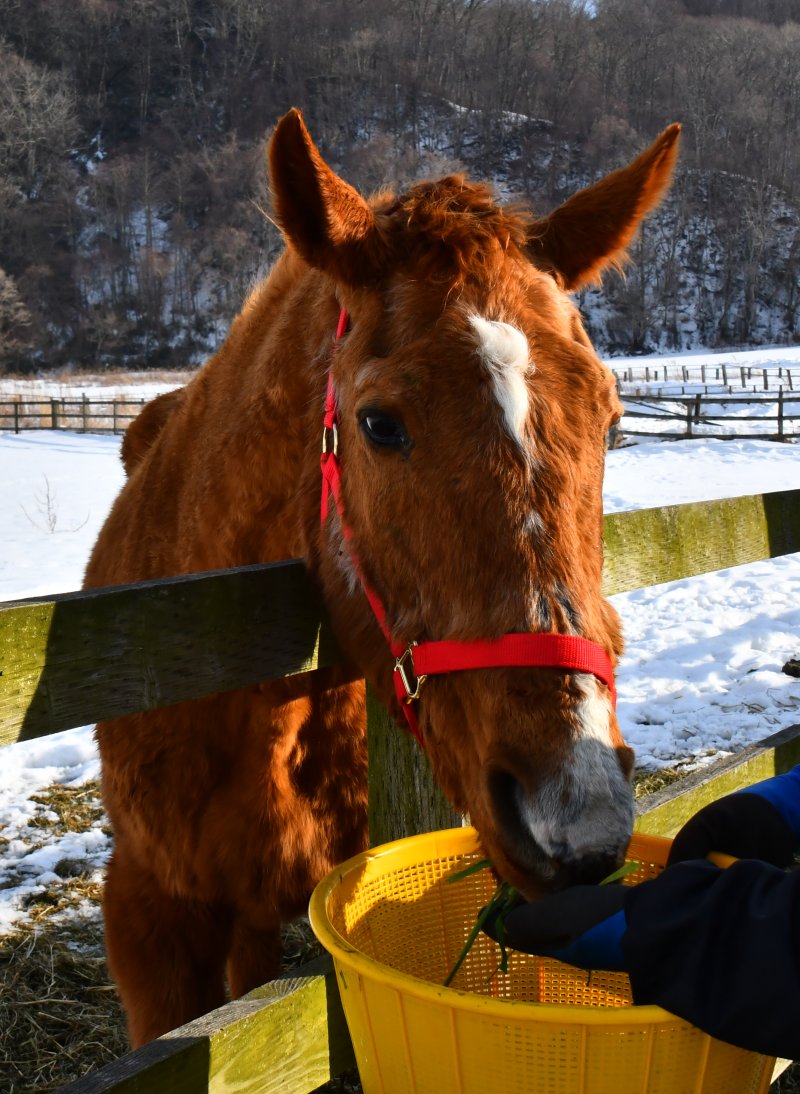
452, 227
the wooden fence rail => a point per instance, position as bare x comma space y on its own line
712, 416
75, 658
729, 374
671, 415
79, 414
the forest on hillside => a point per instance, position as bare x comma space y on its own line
132, 136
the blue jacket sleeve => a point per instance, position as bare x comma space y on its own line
721, 948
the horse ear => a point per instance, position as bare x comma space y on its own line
591, 230
324, 218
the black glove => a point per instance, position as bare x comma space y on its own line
761, 822
582, 925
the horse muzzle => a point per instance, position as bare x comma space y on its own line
571, 827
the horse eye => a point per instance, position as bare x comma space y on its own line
384, 429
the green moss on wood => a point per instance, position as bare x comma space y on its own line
650, 546
80, 657
287, 1037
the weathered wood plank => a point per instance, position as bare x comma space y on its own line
666, 811
76, 658
649, 546
404, 797
287, 1037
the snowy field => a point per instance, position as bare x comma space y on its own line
701, 676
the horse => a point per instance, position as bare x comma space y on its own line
453, 525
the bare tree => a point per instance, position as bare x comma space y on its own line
38, 121
15, 324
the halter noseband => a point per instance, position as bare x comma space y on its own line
416, 661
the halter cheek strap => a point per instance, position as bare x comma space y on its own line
416, 661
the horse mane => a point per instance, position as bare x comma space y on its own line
144, 430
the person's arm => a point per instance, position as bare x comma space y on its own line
761, 821
720, 948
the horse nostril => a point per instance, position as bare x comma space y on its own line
504, 794
507, 796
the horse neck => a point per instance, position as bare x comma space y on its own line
256, 399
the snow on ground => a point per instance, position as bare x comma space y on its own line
701, 676
56, 489
670, 473
30, 853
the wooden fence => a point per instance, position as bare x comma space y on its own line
673, 417
76, 658
79, 414
726, 374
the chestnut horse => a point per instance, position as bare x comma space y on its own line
466, 420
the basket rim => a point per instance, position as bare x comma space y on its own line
343, 951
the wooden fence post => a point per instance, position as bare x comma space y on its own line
780, 414
54, 413
404, 797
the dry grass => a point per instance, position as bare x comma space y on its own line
76, 808
58, 1010
648, 782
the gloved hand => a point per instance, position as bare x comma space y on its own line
582, 925
762, 822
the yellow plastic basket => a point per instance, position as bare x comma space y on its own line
395, 928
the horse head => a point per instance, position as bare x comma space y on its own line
471, 415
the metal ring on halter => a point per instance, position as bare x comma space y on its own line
411, 682
334, 446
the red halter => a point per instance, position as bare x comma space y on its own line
414, 662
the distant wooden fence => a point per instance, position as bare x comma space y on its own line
79, 414
76, 658
713, 416
726, 374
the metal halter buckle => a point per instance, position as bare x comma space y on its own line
411, 682
333, 433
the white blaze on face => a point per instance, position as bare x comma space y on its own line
505, 353
593, 711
